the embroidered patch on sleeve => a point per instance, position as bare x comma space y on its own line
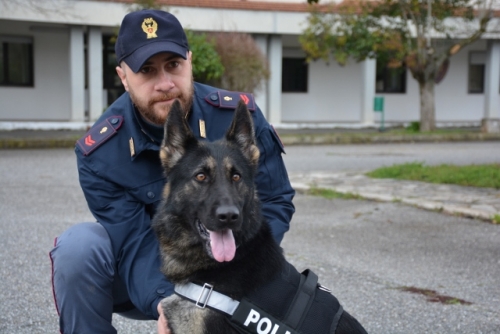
99, 134
229, 100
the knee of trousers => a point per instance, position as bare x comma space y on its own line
83, 248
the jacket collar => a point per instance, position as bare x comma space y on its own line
141, 134
146, 136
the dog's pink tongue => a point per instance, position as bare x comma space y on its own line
223, 245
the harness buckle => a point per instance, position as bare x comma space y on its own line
205, 293
324, 288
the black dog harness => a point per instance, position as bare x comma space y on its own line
312, 308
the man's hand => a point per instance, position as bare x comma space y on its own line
162, 322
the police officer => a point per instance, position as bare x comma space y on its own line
113, 265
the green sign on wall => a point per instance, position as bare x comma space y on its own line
378, 104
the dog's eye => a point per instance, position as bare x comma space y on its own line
201, 177
236, 177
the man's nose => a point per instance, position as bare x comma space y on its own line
164, 81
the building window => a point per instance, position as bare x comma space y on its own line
16, 61
111, 80
294, 75
390, 80
477, 62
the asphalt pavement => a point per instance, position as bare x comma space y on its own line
396, 267
400, 269
469, 202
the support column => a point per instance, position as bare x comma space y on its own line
274, 87
369, 71
491, 121
77, 74
261, 93
95, 74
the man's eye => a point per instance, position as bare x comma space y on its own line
173, 64
201, 177
145, 69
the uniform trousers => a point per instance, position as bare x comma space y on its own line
87, 289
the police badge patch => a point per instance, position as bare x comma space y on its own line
149, 26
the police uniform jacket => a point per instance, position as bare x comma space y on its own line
122, 180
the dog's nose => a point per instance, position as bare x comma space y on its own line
227, 214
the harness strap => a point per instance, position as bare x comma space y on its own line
204, 296
250, 318
336, 319
303, 299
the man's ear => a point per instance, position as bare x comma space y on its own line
189, 58
123, 77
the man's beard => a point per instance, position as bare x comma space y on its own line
148, 111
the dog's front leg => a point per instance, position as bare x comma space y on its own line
183, 316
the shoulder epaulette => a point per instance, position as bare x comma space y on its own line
229, 100
99, 134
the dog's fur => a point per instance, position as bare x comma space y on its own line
210, 196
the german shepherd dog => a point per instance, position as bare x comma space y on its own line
210, 229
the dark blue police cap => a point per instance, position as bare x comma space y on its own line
146, 33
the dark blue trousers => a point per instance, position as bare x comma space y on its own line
87, 289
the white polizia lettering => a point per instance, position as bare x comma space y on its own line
264, 325
253, 316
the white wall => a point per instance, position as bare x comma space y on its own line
402, 107
453, 102
333, 95
49, 99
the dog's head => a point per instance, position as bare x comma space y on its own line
210, 196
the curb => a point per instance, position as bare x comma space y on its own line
453, 210
329, 139
49, 140
37, 143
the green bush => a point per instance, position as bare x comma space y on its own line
413, 127
207, 65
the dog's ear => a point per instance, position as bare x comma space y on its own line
177, 136
241, 132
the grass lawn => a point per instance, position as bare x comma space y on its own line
331, 194
487, 176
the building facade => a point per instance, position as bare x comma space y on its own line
57, 64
